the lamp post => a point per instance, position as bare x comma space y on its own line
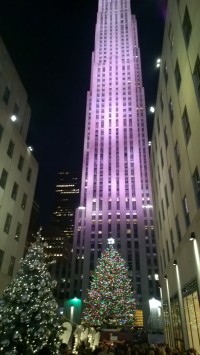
182, 314
170, 311
192, 238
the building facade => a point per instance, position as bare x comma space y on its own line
59, 234
18, 169
175, 163
66, 202
116, 192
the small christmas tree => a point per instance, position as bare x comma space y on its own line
111, 302
28, 311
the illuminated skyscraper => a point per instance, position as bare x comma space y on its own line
116, 192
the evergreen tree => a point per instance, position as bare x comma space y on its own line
28, 312
110, 302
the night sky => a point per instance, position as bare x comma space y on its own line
50, 43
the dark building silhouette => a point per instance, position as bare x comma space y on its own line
66, 201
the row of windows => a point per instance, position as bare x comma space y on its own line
187, 31
196, 186
4, 177
6, 97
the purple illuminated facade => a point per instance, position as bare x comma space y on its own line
116, 192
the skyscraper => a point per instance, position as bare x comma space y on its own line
175, 162
66, 201
116, 192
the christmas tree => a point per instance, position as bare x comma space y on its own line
110, 302
28, 312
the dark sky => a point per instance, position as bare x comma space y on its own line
50, 43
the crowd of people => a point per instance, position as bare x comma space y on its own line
120, 348
128, 348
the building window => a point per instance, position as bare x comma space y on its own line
29, 175
20, 163
3, 179
177, 75
186, 211
165, 137
178, 231
10, 149
18, 231
158, 125
1, 131
172, 241
1, 258
16, 110
7, 223
161, 158
177, 156
163, 211
166, 196
171, 179
196, 78
187, 27
11, 266
186, 125
196, 184
171, 111
6, 96
14, 191
24, 200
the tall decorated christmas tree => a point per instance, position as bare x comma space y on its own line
111, 302
28, 312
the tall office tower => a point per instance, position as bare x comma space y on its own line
66, 202
18, 169
59, 235
116, 191
175, 162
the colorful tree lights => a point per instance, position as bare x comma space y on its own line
28, 311
111, 302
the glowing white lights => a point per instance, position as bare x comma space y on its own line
152, 109
30, 148
153, 303
158, 63
13, 118
111, 241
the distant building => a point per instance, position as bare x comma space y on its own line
59, 235
58, 251
66, 201
33, 225
18, 169
175, 162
